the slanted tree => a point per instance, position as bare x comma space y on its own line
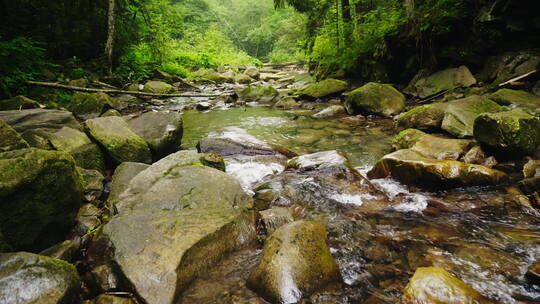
110, 35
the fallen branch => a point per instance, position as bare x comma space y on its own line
517, 78
115, 91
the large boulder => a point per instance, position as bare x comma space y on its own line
161, 131
436, 285
425, 117
10, 139
18, 103
375, 98
90, 105
119, 141
40, 192
122, 176
448, 79
432, 146
413, 168
258, 93
512, 132
30, 119
176, 220
324, 88
158, 87
295, 262
460, 114
27, 278
517, 99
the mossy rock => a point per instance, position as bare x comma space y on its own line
375, 98
90, 105
10, 139
119, 141
517, 99
27, 278
258, 93
287, 103
93, 183
295, 262
413, 168
65, 251
425, 117
243, 79
432, 146
158, 87
325, 88
40, 192
436, 285
111, 112
514, 132
448, 79
17, 103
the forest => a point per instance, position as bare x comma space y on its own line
269, 151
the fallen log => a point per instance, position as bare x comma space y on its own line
114, 91
511, 81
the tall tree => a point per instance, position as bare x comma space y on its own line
110, 35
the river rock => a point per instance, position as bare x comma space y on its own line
90, 105
517, 99
110, 299
39, 118
111, 112
375, 98
123, 174
176, 219
66, 251
119, 141
413, 168
432, 146
287, 103
460, 114
18, 103
295, 262
243, 79
263, 94
331, 111
252, 72
158, 87
511, 132
93, 184
161, 131
274, 218
40, 192
476, 155
425, 117
30, 278
234, 141
436, 285
533, 273
324, 88
448, 79
10, 139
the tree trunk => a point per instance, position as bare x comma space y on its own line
346, 17
110, 36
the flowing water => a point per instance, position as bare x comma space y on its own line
474, 233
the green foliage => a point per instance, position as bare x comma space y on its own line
21, 59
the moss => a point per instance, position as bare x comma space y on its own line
89, 103
325, 88
375, 98
10, 139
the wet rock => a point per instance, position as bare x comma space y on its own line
295, 262
517, 99
533, 273
90, 105
40, 192
432, 146
18, 103
426, 117
119, 141
158, 87
234, 141
287, 103
319, 160
10, 139
87, 219
110, 299
529, 185
252, 72
512, 132
213, 76
413, 168
39, 118
448, 79
460, 114
204, 106
274, 218
105, 278
161, 131
331, 111
477, 156
324, 88
123, 174
111, 112
490, 259
93, 184
436, 285
66, 251
263, 94
31, 278
176, 220
531, 168
375, 98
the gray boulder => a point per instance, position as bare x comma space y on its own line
448, 79
375, 98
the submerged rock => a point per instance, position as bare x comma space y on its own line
120, 142
512, 132
161, 131
413, 168
40, 192
10, 139
331, 111
258, 93
436, 285
425, 117
158, 87
234, 141
27, 278
448, 79
517, 99
18, 103
295, 262
375, 98
324, 88
432, 146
